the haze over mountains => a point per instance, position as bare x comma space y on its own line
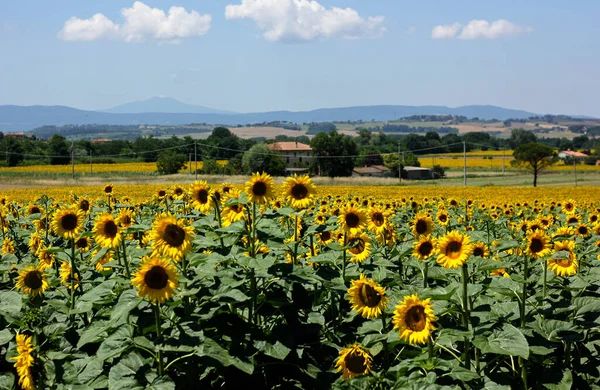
167, 111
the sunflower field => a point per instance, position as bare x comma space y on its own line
287, 285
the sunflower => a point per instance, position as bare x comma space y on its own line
414, 319
32, 281
567, 263
106, 231
99, 264
46, 258
201, 196
352, 219
596, 229
564, 231
42, 224
65, 275
583, 230
161, 193
299, 191
326, 237
156, 279
178, 192
320, 218
573, 219
354, 361
84, 244
33, 209
538, 244
67, 222
592, 219
125, 218
378, 219
260, 188
171, 237
24, 361
422, 225
367, 297
442, 217
84, 205
569, 206
453, 249
360, 247
500, 272
481, 250
8, 246
109, 188
233, 212
35, 241
424, 248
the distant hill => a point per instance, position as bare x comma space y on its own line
163, 105
22, 118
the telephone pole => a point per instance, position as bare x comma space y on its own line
399, 165
73, 159
465, 162
196, 159
91, 152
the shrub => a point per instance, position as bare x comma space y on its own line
170, 162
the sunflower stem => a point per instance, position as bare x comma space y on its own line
425, 272
344, 259
186, 299
430, 347
295, 241
2, 225
72, 277
158, 338
125, 259
218, 218
465, 302
385, 346
522, 363
545, 277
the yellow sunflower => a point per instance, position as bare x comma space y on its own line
424, 248
161, 193
481, 250
453, 249
414, 319
378, 219
299, 191
67, 222
178, 192
232, 213
360, 247
354, 361
65, 275
84, 205
32, 281
106, 231
201, 197
442, 217
8, 246
46, 258
538, 245
33, 209
567, 263
35, 241
500, 272
569, 206
24, 361
171, 237
42, 224
84, 244
156, 279
352, 219
422, 225
326, 237
260, 188
108, 256
367, 297
125, 218
564, 231
583, 230
109, 188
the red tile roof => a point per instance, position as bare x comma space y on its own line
290, 147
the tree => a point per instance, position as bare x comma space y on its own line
520, 137
14, 149
226, 144
327, 145
261, 159
535, 157
170, 162
390, 161
60, 151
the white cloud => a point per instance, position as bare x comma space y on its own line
305, 20
448, 31
479, 29
141, 22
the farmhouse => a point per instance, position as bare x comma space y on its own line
418, 173
577, 156
293, 154
372, 171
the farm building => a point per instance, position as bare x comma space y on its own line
416, 173
372, 170
578, 156
293, 154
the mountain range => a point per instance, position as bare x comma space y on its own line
23, 118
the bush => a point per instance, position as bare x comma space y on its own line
170, 162
438, 171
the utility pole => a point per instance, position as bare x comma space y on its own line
91, 151
503, 151
465, 162
575, 169
190, 164
399, 165
73, 158
196, 158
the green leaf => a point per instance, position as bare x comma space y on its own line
505, 286
231, 296
100, 293
123, 374
566, 382
5, 336
277, 350
10, 304
92, 370
7, 381
585, 305
116, 343
127, 301
209, 348
507, 341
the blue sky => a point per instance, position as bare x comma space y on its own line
261, 55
